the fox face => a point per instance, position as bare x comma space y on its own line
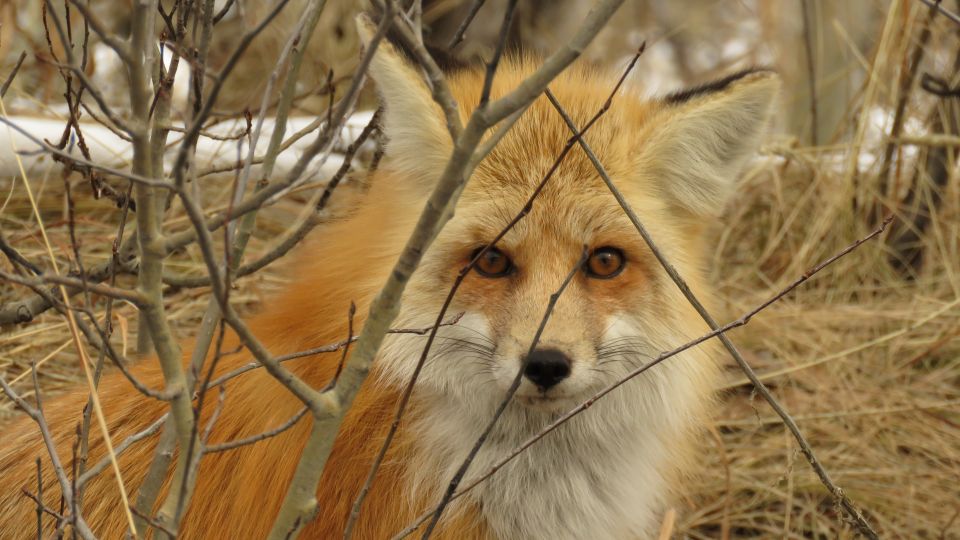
675, 160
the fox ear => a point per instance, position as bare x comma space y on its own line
704, 136
418, 143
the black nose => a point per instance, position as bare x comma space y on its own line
546, 367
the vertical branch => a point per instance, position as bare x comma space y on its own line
40, 495
907, 78
811, 71
108, 331
150, 236
416, 18
495, 61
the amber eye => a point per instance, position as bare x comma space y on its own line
605, 263
493, 263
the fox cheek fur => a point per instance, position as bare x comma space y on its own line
607, 473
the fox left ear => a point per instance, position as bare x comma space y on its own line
418, 143
703, 137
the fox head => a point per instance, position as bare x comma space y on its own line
675, 159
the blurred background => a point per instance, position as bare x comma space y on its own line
866, 357
819, 45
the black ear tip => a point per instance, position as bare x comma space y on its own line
718, 85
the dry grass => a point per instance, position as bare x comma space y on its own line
868, 362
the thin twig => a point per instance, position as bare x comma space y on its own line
107, 36
298, 233
223, 12
498, 52
246, 441
127, 295
84, 434
96, 469
462, 29
333, 347
37, 416
17, 259
346, 348
439, 88
39, 499
13, 74
935, 4
193, 131
42, 507
811, 71
153, 523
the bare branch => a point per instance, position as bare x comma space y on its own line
133, 297
121, 448
438, 83
462, 29
299, 232
497, 53
194, 130
935, 4
223, 447
107, 36
13, 74
333, 347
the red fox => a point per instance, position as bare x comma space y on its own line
607, 473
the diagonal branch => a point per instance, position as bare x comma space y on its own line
720, 331
818, 468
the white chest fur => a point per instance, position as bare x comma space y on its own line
601, 475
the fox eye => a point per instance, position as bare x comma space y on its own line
605, 263
493, 263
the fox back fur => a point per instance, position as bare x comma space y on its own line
607, 473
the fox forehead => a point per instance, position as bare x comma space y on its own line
574, 207
526, 153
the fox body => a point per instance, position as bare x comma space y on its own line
608, 472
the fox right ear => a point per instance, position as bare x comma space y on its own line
705, 135
418, 143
